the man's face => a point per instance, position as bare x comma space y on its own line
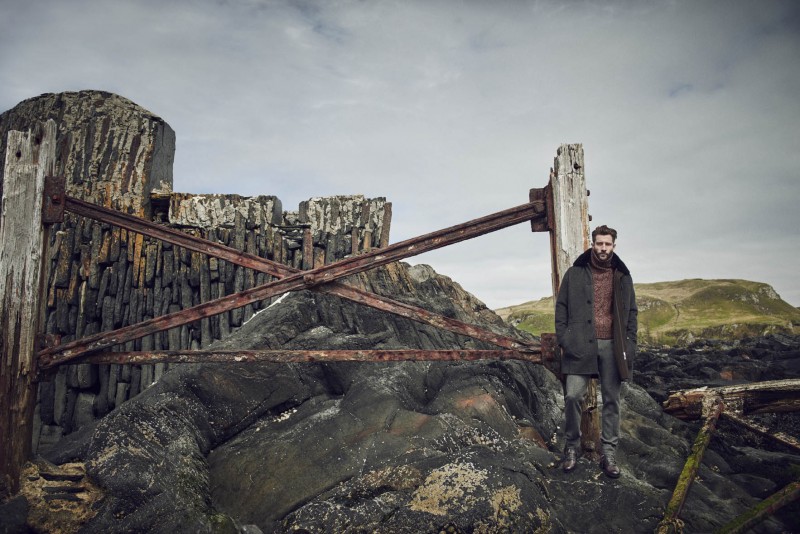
603, 246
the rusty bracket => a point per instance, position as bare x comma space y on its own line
53, 199
545, 195
551, 355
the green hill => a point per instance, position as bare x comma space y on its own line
673, 313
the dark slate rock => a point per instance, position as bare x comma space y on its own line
408, 446
13, 516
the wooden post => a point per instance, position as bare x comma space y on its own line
29, 158
386, 225
568, 223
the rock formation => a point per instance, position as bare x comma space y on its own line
397, 447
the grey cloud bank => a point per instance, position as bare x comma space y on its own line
688, 112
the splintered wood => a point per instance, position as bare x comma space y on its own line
744, 399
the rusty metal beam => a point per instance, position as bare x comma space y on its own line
424, 316
298, 280
176, 237
292, 356
53, 199
279, 270
426, 243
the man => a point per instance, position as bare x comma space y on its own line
596, 323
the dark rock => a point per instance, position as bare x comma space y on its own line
13, 516
407, 446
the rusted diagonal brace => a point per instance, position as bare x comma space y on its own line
288, 356
176, 237
326, 273
687, 476
181, 239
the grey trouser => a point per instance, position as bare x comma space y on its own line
610, 385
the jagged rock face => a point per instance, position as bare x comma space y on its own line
400, 447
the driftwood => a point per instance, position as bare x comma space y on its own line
753, 398
671, 522
30, 157
734, 402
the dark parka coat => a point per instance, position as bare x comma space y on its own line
575, 319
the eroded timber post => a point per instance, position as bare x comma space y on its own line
30, 157
569, 238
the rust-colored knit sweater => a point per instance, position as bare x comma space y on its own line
603, 281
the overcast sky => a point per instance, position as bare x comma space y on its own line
688, 112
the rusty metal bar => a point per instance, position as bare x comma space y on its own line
298, 280
426, 243
292, 356
53, 199
176, 237
764, 509
670, 523
278, 270
424, 316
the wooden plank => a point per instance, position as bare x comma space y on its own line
308, 249
570, 235
298, 280
386, 225
778, 437
751, 398
568, 223
292, 356
30, 156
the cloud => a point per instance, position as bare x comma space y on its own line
687, 111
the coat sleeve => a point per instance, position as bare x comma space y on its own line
633, 316
562, 309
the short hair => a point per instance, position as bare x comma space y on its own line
604, 230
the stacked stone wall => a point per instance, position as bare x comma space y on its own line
103, 278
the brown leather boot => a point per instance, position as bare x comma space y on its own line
570, 459
608, 463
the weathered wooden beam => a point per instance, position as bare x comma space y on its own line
778, 437
570, 214
746, 521
298, 280
567, 222
30, 156
293, 356
751, 398
386, 225
425, 243
671, 521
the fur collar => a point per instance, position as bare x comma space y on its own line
616, 263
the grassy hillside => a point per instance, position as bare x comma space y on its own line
675, 312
